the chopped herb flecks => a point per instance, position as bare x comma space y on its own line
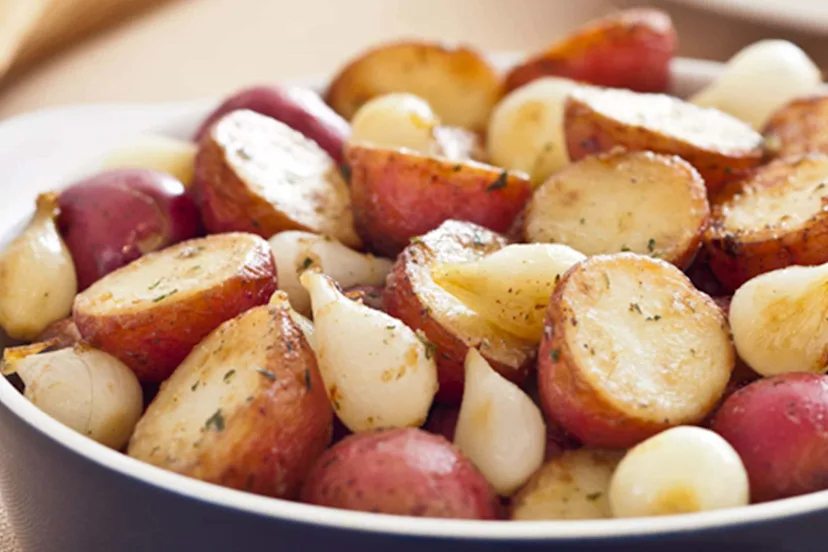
164, 296
594, 496
554, 354
267, 373
154, 284
430, 348
498, 184
306, 263
215, 421
228, 375
651, 245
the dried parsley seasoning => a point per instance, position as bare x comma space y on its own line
555, 355
267, 374
594, 496
216, 421
430, 348
306, 263
498, 184
164, 295
651, 245
228, 375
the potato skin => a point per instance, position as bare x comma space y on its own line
399, 194
453, 241
779, 427
589, 132
799, 127
61, 334
736, 257
402, 471
631, 49
153, 341
264, 445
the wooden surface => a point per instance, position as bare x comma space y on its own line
194, 48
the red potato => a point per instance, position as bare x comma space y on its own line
247, 409
630, 349
799, 127
400, 194
112, 218
412, 295
299, 108
722, 148
255, 174
403, 472
630, 49
152, 312
779, 427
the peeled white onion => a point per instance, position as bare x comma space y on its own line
760, 79
682, 470
160, 153
88, 390
397, 121
378, 372
499, 428
37, 276
295, 251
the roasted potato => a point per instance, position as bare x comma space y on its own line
412, 296
299, 108
779, 427
400, 194
619, 201
152, 312
457, 82
255, 174
573, 485
411, 473
159, 153
777, 220
114, 217
246, 409
628, 49
719, 146
799, 127
630, 348
679, 471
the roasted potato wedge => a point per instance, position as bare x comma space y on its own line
256, 174
629, 49
457, 82
799, 127
246, 409
721, 147
400, 194
152, 312
777, 220
631, 348
617, 201
412, 295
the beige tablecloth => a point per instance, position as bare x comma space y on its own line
194, 48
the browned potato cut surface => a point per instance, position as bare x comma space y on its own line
631, 348
777, 220
256, 174
799, 127
457, 82
719, 146
412, 295
246, 409
152, 312
622, 201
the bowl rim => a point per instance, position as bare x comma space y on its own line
215, 495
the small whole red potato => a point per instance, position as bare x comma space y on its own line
403, 472
779, 427
152, 312
246, 409
114, 217
299, 108
400, 194
630, 49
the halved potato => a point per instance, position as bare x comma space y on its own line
777, 220
457, 82
721, 147
575, 485
622, 201
152, 312
629, 49
631, 348
256, 174
400, 194
449, 326
799, 127
246, 409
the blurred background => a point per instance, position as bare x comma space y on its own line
55, 52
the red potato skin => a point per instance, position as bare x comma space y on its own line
779, 427
403, 472
631, 49
301, 109
370, 296
153, 342
398, 195
64, 332
114, 217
